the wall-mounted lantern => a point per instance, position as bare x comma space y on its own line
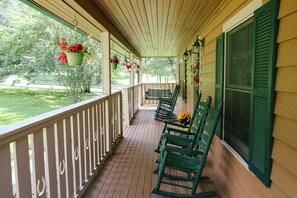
197, 44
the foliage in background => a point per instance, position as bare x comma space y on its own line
29, 103
28, 47
163, 68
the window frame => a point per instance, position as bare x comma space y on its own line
241, 17
225, 88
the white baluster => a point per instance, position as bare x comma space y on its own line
62, 170
40, 192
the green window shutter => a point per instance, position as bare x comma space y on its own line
219, 81
262, 96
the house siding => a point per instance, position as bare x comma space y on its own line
229, 173
284, 152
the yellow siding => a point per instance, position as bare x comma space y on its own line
284, 152
229, 173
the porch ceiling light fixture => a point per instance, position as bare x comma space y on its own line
198, 43
186, 55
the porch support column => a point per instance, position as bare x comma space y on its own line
131, 83
106, 72
140, 72
106, 88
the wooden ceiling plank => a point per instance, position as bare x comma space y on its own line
159, 27
167, 4
148, 12
174, 16
199, 12
119, 47
135, 35
112, 9
98, 14
184, 33
139, 16
68, 16
145, 20
154, 15
211, 7
179, 23
160, 14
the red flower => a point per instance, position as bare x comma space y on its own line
77, 47
114, 59
128, 66
196, 80
63, 44
137, 67
63, 58
197, 66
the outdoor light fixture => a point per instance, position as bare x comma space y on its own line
198, 43
186, 55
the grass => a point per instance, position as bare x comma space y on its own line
18, 104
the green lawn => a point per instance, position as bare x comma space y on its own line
18, 104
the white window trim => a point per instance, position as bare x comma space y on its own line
243, 15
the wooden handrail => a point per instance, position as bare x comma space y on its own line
64, 148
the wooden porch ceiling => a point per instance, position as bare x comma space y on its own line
147, 28
159, 27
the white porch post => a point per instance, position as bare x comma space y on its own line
131, 83
106, 72
140, 71
106, 88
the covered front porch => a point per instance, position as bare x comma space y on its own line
104, 147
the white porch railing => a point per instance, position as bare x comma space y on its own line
132, 101
58, 153
134, 97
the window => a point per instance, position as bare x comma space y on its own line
238, 88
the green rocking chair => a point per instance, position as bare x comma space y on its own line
172, 131
188, 161
166, 106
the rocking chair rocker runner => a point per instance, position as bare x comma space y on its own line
193, 128
185, 160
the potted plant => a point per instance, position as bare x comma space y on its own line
114, 60
137, 68
184, 118
73, 54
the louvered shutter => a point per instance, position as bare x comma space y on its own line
219, 82
262, 96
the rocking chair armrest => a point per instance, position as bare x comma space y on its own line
175, 138
174, 124
169, 129
172, 149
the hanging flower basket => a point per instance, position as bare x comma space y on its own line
75, 59
114, 60
73, 55
114, 65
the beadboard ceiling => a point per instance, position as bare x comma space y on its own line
147, 28
158, 27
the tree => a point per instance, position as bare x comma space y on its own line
160, 67
28, 47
